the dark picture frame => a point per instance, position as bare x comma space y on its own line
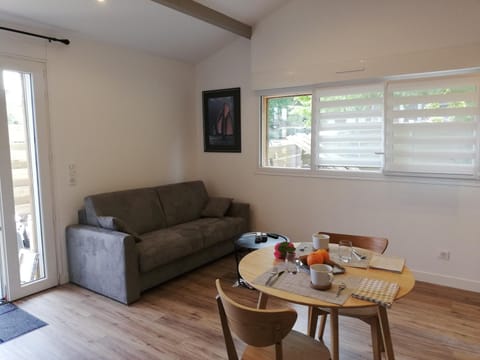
221, 120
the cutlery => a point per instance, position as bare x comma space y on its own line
301, 266
341, 287
273, 272
276, 277
358, 255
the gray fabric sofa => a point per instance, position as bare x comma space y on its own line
129, 241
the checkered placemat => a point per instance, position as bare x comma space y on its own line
378, 291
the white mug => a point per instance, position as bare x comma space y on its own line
320, 241
321, 275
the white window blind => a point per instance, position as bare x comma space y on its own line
350, 127
432, 126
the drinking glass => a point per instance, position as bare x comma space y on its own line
345, 250
290, 262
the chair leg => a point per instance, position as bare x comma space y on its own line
313, 314
334, 333
382, 345
377, 340
278, 351
321, 328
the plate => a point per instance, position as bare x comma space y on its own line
318, 287
337, 268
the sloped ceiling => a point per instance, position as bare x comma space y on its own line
139, 24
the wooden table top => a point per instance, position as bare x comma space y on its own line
257, 262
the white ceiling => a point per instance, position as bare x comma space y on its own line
139, 24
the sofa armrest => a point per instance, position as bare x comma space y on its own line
103, 261
240, 210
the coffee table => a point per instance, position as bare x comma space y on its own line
258, 262
247, 242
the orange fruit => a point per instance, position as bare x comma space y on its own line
315, 258
325, 253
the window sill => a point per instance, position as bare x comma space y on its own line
367, 176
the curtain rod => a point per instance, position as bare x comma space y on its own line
50, 39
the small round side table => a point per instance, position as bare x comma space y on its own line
253, 241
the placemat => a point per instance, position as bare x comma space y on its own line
304, 248
300, 284
355, 262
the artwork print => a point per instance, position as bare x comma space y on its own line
221, 120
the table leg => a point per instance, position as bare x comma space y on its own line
334, 333
237, 261
240, 282
262, 301
385, 328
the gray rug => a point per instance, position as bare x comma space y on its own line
15, 322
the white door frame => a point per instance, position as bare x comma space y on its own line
14, 289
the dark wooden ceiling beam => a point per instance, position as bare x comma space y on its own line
208, 15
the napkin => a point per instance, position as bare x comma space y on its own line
390, 263
378, 291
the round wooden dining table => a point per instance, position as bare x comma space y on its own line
258, 262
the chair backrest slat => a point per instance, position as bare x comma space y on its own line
255, 327
376, 244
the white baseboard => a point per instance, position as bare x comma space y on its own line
451, 281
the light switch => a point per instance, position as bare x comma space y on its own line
72, 174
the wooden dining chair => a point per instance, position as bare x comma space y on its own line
369, 314
267, 333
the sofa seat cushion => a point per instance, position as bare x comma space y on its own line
167, 245
215, 230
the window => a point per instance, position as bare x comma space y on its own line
432, 126
287, 130
423, 126
350, 128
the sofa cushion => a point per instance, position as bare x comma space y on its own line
182, 202
215, 230
139, 208
216, 207
167, 245
116, 224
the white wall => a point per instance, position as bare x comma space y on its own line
418, 219
309, 41
122, 117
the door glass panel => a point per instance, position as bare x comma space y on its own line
23, 156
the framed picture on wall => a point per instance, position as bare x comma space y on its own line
221, 120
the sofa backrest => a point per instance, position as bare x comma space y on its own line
182, 202
139, 208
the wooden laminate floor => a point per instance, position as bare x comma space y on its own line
178, 320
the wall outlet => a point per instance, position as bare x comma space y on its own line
444, 255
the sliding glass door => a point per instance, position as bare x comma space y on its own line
26, 221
